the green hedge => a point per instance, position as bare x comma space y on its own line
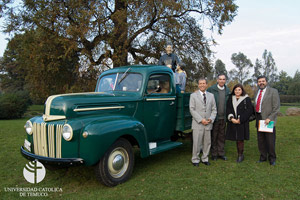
289, 98
13, 105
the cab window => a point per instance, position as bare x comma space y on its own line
159, 83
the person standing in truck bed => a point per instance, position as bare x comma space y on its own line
169, 59
180, 78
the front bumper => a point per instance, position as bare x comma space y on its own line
64, 162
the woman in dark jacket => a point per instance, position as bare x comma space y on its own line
239, 109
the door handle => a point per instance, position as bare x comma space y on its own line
172, 103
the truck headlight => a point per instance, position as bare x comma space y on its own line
67, 132
28, 127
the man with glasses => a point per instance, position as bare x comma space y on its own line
267, 105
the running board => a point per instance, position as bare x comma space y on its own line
163, 146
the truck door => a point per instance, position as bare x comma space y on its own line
159, 107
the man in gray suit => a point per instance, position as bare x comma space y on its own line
267, 105
203, 109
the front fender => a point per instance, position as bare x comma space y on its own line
103, 133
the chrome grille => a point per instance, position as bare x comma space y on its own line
47, 139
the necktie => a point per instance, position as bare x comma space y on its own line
258, 101
204, 98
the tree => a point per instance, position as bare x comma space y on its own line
294, 86
282, 85
297, 76
243, 65
269, 67
257, 70
114, 33
194, 70
38, 62
266, 67
220, 68
12, 70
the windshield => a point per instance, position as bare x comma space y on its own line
132, 82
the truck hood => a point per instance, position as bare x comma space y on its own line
64, 106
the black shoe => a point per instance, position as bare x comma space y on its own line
240, 159
206, 163
223, 157
273, 163
260, 161
214, 158
196, 164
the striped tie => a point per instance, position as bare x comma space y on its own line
258, 101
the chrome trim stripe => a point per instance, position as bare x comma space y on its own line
51, 140
59, 129
38, 133
99, 108
35, 140
44, 147
160, 99
48, 104
50, 99
47, 118
40, 139
46, 143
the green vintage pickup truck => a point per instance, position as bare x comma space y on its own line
131, 106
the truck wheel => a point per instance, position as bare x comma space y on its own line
116, 165
175, 136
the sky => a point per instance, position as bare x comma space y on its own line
273, 25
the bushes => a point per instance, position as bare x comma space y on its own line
289, 98
13, 105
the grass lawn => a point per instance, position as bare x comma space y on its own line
284, 107
37, 108
168, 175
34, 110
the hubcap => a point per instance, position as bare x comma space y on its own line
118, 162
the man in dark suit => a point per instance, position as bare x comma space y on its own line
267, 105
203, 109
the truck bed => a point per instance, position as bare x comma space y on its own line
184, 117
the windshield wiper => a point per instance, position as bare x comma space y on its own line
123, 76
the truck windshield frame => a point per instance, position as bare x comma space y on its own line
131, 82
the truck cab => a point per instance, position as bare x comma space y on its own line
131, 106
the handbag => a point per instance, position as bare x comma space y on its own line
252, 116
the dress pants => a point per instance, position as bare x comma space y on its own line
201, 138
266, 144
218, 138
